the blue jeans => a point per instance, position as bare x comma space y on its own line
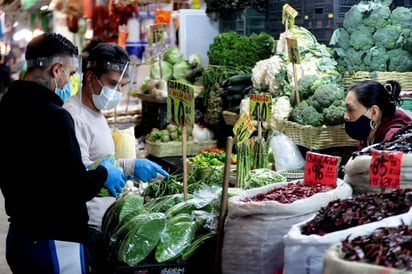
38, 256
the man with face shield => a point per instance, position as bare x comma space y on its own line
105, 74
45, 197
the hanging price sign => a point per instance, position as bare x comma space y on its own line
385, 169
243, 128
321, 169
260, 107
180, 103
293, 51
288, 15
157, 33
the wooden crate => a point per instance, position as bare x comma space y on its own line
175, 148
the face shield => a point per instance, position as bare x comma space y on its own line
72, 66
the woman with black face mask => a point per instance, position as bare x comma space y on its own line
371, 115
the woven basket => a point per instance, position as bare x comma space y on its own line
404, 78
230, 117
315, 137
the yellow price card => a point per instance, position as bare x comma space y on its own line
260, 107
288, 15
243, 128
157, 33
180, 103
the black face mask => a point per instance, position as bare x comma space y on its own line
359, 129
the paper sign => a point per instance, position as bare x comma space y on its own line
156, 33
180, 103
385, 169
243, 128
288, 15
260, 107
293, 51
321, 169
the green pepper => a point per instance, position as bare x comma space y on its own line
216, 162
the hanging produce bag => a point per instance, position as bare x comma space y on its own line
124, 143
252, 241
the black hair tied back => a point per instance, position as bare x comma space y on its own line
394, 89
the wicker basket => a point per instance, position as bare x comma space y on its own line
230, 117
315, 137
404, 78
175, 148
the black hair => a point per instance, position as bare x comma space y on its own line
50, 44
105, 53
385, 96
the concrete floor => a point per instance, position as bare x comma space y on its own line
4, 224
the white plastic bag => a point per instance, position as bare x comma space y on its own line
286, 153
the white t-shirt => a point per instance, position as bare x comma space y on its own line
95, 139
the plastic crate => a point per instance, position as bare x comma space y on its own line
274, 24
154, 113
164, 268
401, 3
243, 22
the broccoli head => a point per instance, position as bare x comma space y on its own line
327, 95
333, 115
377, 59
378, 17
387, 37
361, 38
353, 18
305, 85
306, 114
401, 16
399, 60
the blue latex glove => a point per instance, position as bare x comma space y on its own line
145, 170
115, 178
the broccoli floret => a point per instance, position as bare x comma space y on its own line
387, 37
305, 86
352, 18
377, 59
401, 16
333, 115
343, 39
399, 60
326, 95
306, 114
361, 38
378, 17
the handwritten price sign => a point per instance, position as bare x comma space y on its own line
156, 33
288, 15
180, 103
385, 169
260, 107
243, 128
321, 169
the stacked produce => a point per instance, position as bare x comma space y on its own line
386, 246
374, 38
173, 66
165, 229
231, 55
317, 76
359, 210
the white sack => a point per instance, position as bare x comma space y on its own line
304, 253
357, 174
333, 263
253, 232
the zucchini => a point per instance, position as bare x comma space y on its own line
237, 79
197, 242
236, 89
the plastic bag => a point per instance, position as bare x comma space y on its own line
286, 153
125, 143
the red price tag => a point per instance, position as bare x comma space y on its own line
321, 169
385, 169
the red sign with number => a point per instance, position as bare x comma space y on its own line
321, 169
385, 169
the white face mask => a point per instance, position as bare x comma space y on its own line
107, 99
